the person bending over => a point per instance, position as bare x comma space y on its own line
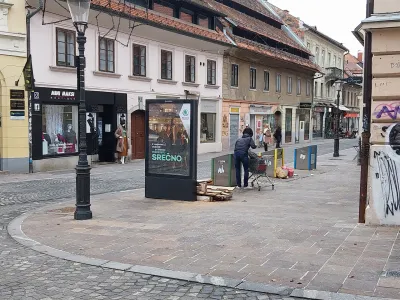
241, 155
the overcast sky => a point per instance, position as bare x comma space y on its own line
334, 18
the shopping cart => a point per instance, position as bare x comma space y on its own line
258, 172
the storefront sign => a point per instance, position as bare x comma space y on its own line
17, 104
305, 105
17, 94
319, 109
208, 106
17, 115
234, 110
351, 115
260, 109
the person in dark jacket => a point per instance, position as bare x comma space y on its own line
278, 136
248, 130
241, 155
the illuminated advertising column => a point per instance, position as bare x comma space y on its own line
171, 149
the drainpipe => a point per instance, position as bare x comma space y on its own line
366, 135
29, 15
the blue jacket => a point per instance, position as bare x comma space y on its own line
244, 143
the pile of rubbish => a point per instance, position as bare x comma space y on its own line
210, 193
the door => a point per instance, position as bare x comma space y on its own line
106, 135
301, 131
137, 134
233, 130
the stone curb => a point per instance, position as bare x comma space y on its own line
15, 231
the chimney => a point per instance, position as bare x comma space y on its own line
360, 55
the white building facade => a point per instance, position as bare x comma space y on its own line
123, 70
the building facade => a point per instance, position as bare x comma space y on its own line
329, 56
178, 54
383, 26
14, 149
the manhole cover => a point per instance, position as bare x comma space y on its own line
64, 210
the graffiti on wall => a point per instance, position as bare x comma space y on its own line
386, 176
386, 111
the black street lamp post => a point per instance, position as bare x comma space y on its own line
337, 120
79, 10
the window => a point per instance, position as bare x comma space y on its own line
186, 15
334, 60
328, 91
65, 47
308, 46
235, 75
289, 85
211, 72
166, 65
323, 58
139, 60
60, 127
317, 55
322, 90
190, 68
202, 21
329, 59
298, 86
315, 89
164, 7
208, 127
348, 98
106, 55
266, 81
308, 88
278, 83
253, 78
340, 63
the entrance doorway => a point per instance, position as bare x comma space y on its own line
137, 134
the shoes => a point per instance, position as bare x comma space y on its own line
248, 188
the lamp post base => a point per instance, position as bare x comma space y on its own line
336, 148
82, 211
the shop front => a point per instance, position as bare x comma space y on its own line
318, 121
260, 117
210, 126
303, 122
55, 127
351, 120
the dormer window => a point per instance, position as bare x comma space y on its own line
186, 15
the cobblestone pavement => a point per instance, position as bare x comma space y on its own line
29, 275
48, 186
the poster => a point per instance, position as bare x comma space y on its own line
90, 122
169, 136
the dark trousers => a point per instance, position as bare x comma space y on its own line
242, 159
265, 147
278, 144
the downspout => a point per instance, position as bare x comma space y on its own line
366, 135
29, 15
229, 38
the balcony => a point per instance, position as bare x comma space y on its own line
333, 74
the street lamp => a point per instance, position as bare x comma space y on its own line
79, 10
338, 86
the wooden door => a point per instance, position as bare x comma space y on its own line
137, 134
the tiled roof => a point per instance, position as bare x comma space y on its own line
275, 53
261, 28
257, 7
157, 19
352, 67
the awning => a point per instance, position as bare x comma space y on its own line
351, 115
342, 107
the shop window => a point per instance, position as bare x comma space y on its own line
190, 68
278, 83
266, 81
139, 60
288, 125
253, 78
60, 129
65, 47
166, 65
235, 75
308, 88
289, 85
106, 55
208, 128
298, 86
211, 72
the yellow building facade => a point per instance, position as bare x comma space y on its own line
14, 137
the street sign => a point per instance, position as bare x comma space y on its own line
354, 80
305, 105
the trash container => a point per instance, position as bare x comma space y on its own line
274, 159
223, 170
305, 158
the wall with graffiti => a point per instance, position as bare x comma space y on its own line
385, 176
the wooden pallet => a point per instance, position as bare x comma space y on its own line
211, 193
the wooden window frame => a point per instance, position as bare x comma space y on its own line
234, 75
308, 88
298, 86
253, 81
190, 69
211, 63
290, 85
266, 81
166, 62
65, 31
278, 88
140, 59
107, 50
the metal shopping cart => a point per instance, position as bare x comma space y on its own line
258, 172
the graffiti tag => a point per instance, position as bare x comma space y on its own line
388, 111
